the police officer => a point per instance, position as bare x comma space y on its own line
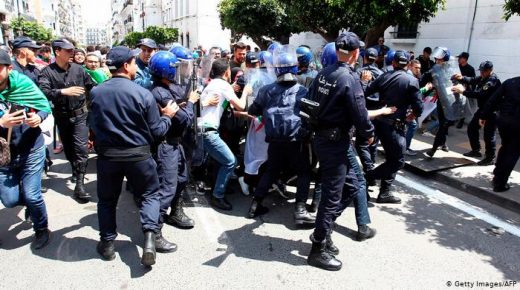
148, 47
171, 161
277, 103
338, 90
484, 86
400, 89
66, 85
125, 121
367, 152
505, 100
24, 50
305, 74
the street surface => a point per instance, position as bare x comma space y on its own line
437, 238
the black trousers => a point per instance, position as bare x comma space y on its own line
508, 153
490, 129
444, 125
74, 137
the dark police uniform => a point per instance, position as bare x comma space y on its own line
70, 113
505, 100
126, 121
29, 70
483, 89
400, 89
172, 166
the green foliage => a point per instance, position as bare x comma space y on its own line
279, 17
161, 35
511, 7
31, 29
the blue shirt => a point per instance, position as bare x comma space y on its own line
143, 76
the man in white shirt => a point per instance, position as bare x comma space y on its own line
210, 122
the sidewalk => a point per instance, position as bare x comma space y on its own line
472, 179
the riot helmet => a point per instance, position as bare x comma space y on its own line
163, 64
328, 56
442, 53
389, 57
304, 55
181, 52
185, 66
285, 60
274, 46
265, 58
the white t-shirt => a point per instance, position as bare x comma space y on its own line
210, 115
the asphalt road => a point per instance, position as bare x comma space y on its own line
437, 239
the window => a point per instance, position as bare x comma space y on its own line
406, 31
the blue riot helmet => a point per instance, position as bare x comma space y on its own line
305, 55
389, 57
273, 46
328, 56
441, 53
163, 64
175, 44
195, 55
285, 60
181, 52
265, 58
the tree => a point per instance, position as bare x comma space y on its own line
326, 17
511, 7
257, 19
31, 29
161, 35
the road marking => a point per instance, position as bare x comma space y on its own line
460, 205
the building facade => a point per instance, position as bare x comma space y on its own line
96, 35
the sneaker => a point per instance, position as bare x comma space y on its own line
430, 153
364, 233
445, 148
473, 153
486, 161
58, 149
243, 186
410, 152
41, 239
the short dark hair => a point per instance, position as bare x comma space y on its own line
121, 67
45, 49
428, 50
91, 48
219, 67
240, 45
104, 50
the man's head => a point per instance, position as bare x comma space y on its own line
148, 47
347, 47
441, 54
485, 68
215, 52
45, 52
463, 58
415, 68
371, 55
252, 60
220, 68
79, 56
93, 61
121, 61
239, 52
63, 50
25, 48
401, 59
5, 68
427, 51
381, 40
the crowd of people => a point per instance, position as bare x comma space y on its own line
163, 118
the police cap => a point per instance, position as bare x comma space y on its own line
251, 58
401, 57
148, 42
5, 59
62, 43
24, 41
371, 53
347, 42
118, 55
485, 65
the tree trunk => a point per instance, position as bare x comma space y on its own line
375, 32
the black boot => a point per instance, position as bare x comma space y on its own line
79, 191
329, 245
41, 239
321, 258
162, 245
385, 196
364, 233
106, 249
74, 176
256, 208
177, 216
488, 160
302, 216
148, 258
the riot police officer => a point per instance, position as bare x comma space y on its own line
305, 73
126, 121
484, 86
171, 161
277, 103
506, 100
66, 85
400, 89
338, 91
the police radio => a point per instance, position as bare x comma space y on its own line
309, 110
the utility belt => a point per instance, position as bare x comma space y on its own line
71, 114
208, 129
398, 124
333, 134
119, 154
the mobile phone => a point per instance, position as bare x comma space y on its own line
16, 107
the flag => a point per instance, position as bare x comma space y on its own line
24, 92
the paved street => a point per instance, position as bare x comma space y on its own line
423, 243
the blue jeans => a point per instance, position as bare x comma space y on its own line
219, 151
360, 200
25, 170
410, 131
